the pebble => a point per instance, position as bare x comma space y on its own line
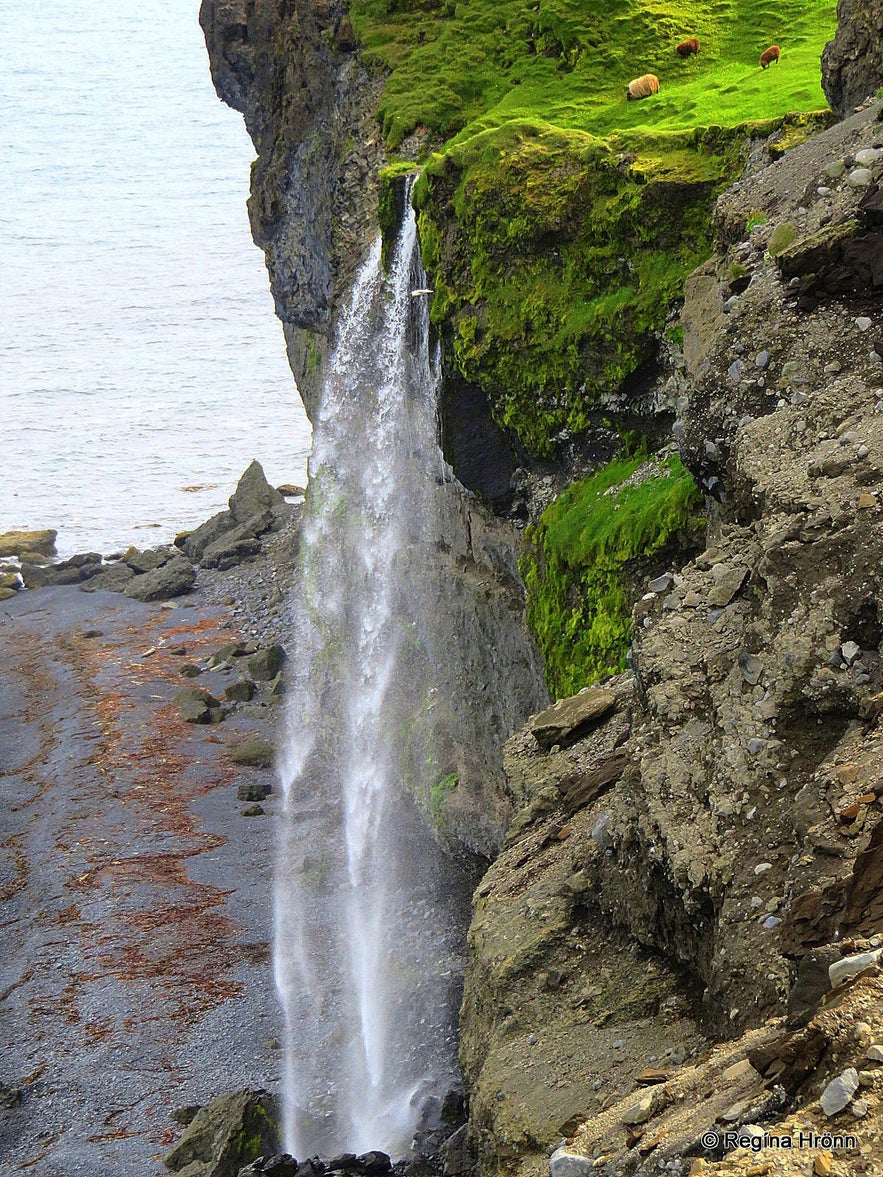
862, 451
850, 651
755, 745
771, 922
859, 1109
839, 1092
868, 156
824, 191
835, 169
762, 360
735, 371
834, 366
863, 322
762, 868
859, 178
874, 1053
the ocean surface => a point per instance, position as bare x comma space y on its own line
141, 364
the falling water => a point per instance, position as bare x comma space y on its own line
368, 911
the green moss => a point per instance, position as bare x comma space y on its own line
558, 222
391, 203
439, 794
735, 271
782, 236
755, 218
578, 603
555, 257
314, 353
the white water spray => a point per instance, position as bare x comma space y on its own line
368, 913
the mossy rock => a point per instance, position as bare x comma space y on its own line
555, 257
228, 1134
578, 603
255, 753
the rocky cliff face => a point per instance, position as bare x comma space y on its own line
852, 64
687, 864
692, 866
291, 68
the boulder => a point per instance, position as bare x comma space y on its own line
194, 543
198, 706
227, 653
283, 1165
226, 1135
147, 561
256, 753
241, 691
13, 543
569, 720
113, 578
253, 495
232, 548
266, 664
72, 571
173, 578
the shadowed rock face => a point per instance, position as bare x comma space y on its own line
290, 67
852, 64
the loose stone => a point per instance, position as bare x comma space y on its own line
839, 1092
859, 178
850, 966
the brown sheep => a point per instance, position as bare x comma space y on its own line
642, 87
769, 56
688, 47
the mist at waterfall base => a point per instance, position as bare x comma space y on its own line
369, 914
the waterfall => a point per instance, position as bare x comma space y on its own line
368, 912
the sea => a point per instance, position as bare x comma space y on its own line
141, 363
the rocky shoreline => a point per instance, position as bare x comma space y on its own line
135, 857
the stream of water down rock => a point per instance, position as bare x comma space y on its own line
369, 914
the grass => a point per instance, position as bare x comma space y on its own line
575, 570
460, 67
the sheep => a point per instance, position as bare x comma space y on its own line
688, 47
769, 56
642, 87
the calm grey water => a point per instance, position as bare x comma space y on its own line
139, 353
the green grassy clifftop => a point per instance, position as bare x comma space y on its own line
558, 219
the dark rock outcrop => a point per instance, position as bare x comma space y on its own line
852, 64
290, 66
231, 536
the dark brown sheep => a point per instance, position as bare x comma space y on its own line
642, 87
687, 48
769, 56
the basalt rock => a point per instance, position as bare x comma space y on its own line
291, 67
852, 63
171, 579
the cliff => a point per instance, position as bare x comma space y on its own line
681, 870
